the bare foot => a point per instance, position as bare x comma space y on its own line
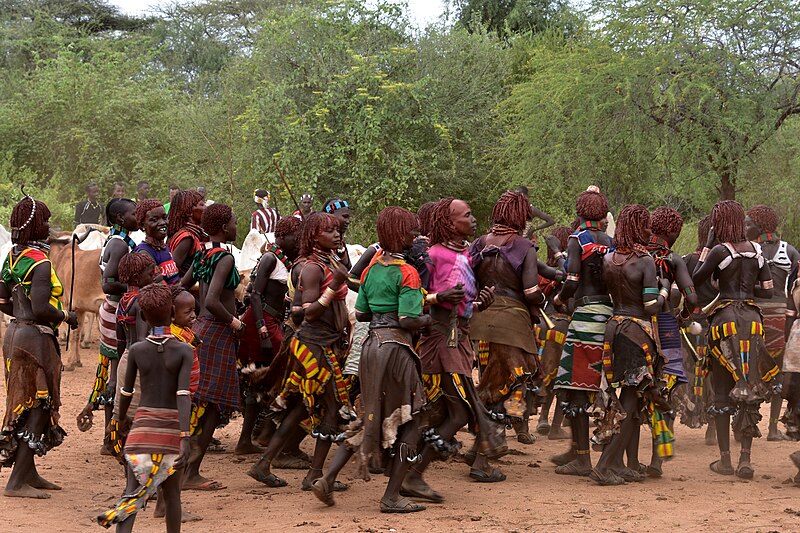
38, 482
26, 491
557, 433
186, 516
247, 448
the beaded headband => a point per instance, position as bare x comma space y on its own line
335, 206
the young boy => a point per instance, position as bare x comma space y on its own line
158, 444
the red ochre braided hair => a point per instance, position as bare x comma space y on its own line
513, 209
764, 217
633, 220
180, 210
591, 205
154, 298
441, 222
666, 221
314, 224
34, 227
287, 226
215, 217
727, 218
703, 227
424, 214
394, 224
133, 264
144, 207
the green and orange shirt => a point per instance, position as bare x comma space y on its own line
18, 272
390, 285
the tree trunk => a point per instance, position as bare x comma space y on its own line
727, 188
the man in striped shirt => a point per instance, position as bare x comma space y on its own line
265, 218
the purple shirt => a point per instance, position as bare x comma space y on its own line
448, 268
163, 258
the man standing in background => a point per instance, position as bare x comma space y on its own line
90, 211
142, 191
265, 218
173, 190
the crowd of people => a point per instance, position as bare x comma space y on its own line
615, 331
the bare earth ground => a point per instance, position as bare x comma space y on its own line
534, 498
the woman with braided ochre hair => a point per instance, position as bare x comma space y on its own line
742, 370
30, 291
392, 393
186, 235
315, 388
446, 351
631, 362
665, 225
505, 260
578, 377
761, 225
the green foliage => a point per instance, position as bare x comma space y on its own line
654, 102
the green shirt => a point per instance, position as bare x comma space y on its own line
390, 285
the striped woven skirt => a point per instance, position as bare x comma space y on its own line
107, 321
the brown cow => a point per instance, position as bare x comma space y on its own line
89, 294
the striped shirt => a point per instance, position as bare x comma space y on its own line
265, 220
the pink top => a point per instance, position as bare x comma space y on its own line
448, 268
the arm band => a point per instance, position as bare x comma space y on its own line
664, 293
767, 284
689, 290
532, 290
560, 255
573, 277
183, 392
650, 290
4, 301
185, 434
126, 393
790, 313
432, 298
651, 302
327, 296
703, 255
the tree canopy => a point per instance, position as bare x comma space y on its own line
656, 102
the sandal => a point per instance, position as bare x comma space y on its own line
654, 471
423, 492
322, 490
270, 480
609, 480
744, 471
480, 476
403, 505
526, 438
717, 467
574, 468
629, 475
338, 486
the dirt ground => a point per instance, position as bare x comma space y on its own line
689, 496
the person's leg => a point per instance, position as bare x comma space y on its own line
611, 458
775, 434
722, 383
543, 425
330, 427
577, 460
399, 467
171, 492
24, 468
261, 470
131, 484
208, 424
245, 445
456, 418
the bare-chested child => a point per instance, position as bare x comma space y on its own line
157, 447
741, 368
